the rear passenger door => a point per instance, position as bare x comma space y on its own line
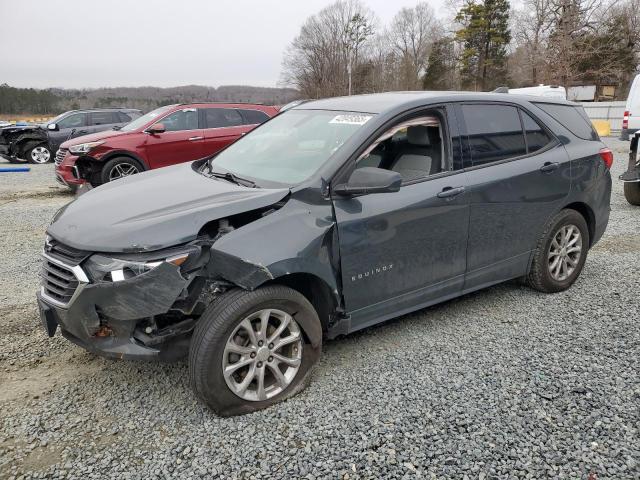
100, 121
222, 126
517, 173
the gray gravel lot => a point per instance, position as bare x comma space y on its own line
502, 383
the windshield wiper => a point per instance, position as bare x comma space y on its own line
231, 177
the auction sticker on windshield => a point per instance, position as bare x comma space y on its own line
351, 119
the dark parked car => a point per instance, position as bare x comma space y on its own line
333, 216
36, 143
166, 136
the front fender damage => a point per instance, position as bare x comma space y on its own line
241, 272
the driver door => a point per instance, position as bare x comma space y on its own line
182, 140
404, 250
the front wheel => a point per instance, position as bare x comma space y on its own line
119, 167
632, 192
250, 350
560, 253
38, 154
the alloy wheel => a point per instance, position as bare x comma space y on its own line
263, 355
122, 170
40, 155
564, 252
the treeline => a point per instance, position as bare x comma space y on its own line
480, 45
55, 100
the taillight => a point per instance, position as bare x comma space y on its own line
625, 119
607, 157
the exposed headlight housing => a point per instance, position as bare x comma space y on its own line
105, 269
85, 147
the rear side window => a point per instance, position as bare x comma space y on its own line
104, 118
254, 117
572, 117
537, 137
222, 117
494, 133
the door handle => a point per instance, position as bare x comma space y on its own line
82, 132
193, 139
450, 192
549, 167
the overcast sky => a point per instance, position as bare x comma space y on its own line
106, 43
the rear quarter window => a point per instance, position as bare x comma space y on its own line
253, 117
572, 117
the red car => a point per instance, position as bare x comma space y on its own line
166, 136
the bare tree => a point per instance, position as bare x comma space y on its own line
531, 25
329, 45
412, 33
574, 22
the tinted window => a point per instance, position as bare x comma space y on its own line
573, 118
537, 137
73, 121
104, 118
222, 117
254, 117
494, 133
186, 119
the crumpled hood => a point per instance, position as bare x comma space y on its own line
93, 137
153, 210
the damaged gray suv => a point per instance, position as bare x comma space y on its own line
333, 216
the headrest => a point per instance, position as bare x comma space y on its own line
434, 135
418, 135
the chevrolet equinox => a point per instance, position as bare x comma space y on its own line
331, 217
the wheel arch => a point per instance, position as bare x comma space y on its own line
588, 215
317, 291
122, 153
26, 144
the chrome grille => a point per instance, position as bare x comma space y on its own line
59, 282
67, 254
60, 154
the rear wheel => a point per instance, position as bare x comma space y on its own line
119, 167
249, 349
560, 253
38, 154
632, 192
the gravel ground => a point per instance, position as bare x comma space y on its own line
503, 383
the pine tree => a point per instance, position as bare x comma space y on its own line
485, 35
440, 66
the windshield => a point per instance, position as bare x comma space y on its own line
146, 118
56, 119
291, 147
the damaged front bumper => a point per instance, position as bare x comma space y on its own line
115, 319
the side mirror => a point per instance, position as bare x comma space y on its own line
370, 180
53, 126
156, 128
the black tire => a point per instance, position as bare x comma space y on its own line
539, 276
632, 192
42, 151
217, 324
108, 169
